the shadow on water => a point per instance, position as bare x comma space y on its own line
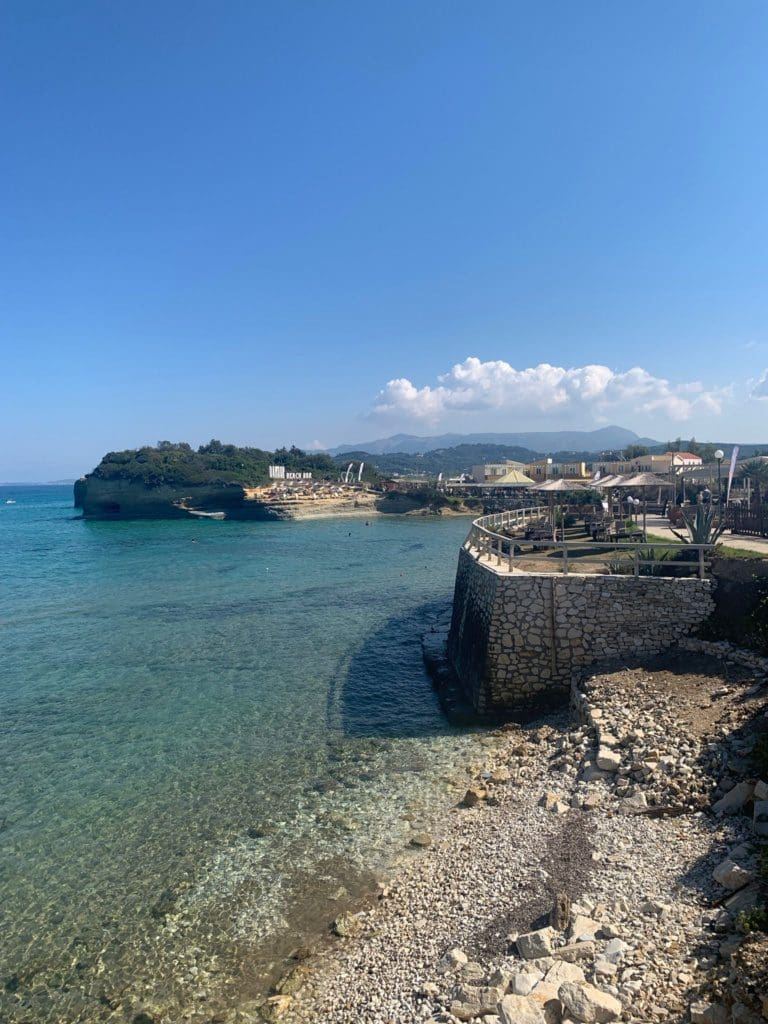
386, 690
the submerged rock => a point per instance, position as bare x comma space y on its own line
165, 905
346, 924
421, 839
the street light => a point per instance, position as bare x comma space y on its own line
719, 455
630, 506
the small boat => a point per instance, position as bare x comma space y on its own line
206, 515
10, 501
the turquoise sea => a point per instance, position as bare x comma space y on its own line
211, 736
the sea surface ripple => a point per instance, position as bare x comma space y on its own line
212, 734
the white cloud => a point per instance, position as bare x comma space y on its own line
592, 391
760, 387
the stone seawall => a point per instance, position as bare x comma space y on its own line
518, 639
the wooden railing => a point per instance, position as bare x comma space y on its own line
485, 541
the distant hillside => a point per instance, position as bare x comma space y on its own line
547, 442
450, 461
460, 458
746, 451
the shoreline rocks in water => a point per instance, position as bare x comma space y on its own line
574, 892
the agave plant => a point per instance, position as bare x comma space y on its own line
705, 528
652, 556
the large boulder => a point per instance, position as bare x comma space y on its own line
734, 799
588, 1004
524, 982
583, 929
563, 971
545, 997
608, 760
453, 960
476, 1002
575, 951
520, 1010
732, 875
533, 945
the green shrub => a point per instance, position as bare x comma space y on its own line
754, 920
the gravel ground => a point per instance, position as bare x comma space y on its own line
548, 820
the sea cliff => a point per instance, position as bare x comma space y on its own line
131, 499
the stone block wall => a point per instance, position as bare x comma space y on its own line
519, 639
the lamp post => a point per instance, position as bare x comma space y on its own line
637, 504
552, 523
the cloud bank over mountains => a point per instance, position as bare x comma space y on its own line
581, 394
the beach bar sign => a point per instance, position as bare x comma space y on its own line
280, 473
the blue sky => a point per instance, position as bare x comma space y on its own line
297, 222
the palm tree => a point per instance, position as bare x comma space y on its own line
757, 471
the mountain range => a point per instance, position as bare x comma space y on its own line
604, 439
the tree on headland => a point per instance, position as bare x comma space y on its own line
173, 446
176, 464
213, 447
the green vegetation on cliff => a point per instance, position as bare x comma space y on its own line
177, 463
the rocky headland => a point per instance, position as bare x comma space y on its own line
132, 499
601, 864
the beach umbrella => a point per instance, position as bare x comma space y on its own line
646, 480
560, 486
553, 487
612, 480
514, 478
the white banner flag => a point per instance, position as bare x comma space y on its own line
731, 471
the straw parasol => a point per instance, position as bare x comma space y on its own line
613, 480
560, 486
553, 487
646, 480
514, 478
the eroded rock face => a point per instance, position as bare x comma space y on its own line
127, 499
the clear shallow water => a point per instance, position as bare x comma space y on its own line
209, 734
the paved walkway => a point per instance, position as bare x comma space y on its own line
660, 525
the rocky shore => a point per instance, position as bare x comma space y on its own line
605, 863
